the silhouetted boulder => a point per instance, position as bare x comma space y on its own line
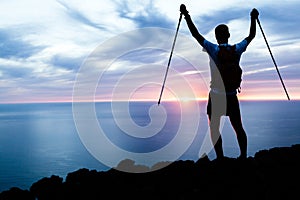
15, 193
48, 188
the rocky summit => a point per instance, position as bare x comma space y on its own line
269, 174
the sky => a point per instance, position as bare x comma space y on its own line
45, 44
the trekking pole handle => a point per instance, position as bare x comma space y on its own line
273, 59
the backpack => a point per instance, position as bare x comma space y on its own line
229, 68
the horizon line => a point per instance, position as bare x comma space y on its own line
141, 100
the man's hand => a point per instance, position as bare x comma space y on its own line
183, 9
254, 13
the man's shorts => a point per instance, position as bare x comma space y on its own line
222, 104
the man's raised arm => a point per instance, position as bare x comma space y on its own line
191, 25
254, 15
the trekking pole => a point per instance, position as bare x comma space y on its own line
273, 59
162, 89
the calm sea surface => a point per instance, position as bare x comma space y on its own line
39, 140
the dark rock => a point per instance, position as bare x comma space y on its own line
48, 188
16, 193
270, 174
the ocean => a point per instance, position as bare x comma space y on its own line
41, 139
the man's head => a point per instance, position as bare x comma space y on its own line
222, 33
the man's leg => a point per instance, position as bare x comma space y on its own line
236, 123
214, 123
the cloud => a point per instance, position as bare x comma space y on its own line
80, 17
144, 14
43, 43
13, 46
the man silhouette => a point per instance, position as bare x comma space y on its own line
219, 96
